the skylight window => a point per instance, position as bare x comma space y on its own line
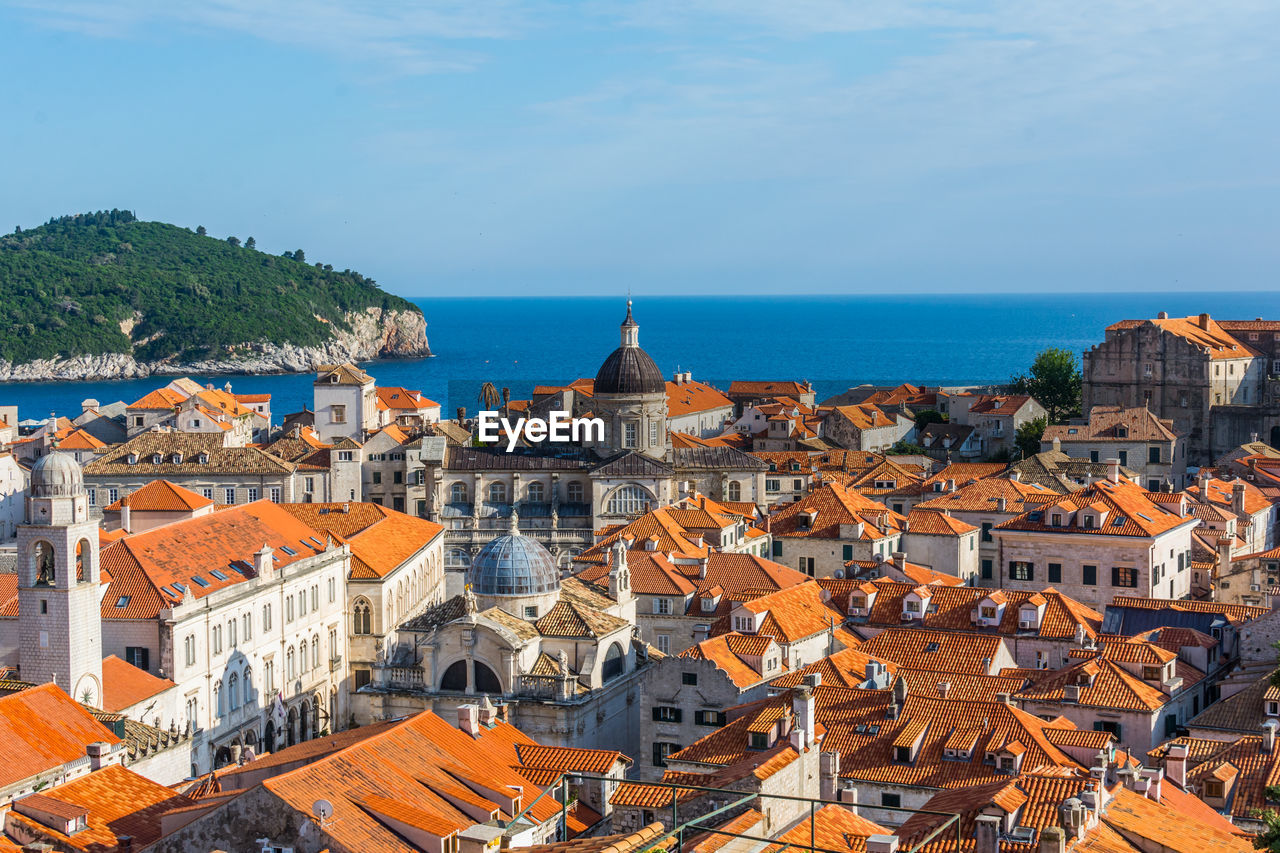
288, 550
218, 574
179, 587
1119, 522
122, 601
201, 581
1144, 516
932, 647
319, 544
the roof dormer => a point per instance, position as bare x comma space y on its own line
132, 459
862, 599
746, 621
1031, 612
990, 611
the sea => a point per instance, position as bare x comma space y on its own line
836, 342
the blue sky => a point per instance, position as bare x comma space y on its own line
668, 146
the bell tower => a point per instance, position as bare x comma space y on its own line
60, 623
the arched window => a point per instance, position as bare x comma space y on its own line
575, 493
42, 562
315, 653
455, 677
217, 697
565, 560
537, 493
248, 685
289, 664
233, 690
486, 680
458, 493
735, 490
84, 552
497, 493
361, 619
614, 662
628, 500
457, 558
303, 661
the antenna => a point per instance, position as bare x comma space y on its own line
323, 810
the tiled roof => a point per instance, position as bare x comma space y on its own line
118, 801
1217, 341
983, 496
1233, 612
920, 648
396, 397
865, 416
728, 654
42, 728
159, 400
124, 685
341, 374
1057, 471
1239, 712
1102, 682
845, 668
832, 827
160, 496
80, 440
1001, 404
1112, 423
644, 839
951, 609
790, 614
1220, 495
144, 567
1163, 828
1254, 771
1129, 511
768, 388
381, 539
834, 506
566, 619
222, 460
566, 759
422, 763
687, 398
931, 523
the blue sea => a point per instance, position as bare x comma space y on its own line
834, 341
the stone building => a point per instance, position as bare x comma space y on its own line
562, 659
1210, 378
1147, 445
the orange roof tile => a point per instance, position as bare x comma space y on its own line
381, 539
941, 651
160, 496
125, 685
832, 827
396, 397
159, 399
687, 398
42, 728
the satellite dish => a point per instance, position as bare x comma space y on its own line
322, 809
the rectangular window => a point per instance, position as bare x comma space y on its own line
710, 718
1124, 457
797, 485
275, 494
777, 548
363, 676
230, 495
987, 570
661, 751
893, 801
1093, 456
266, 617
190, 648
1125, 577
806, 565
315, 597
689, 679
662, 606
1055, 573
629, 434
332, 586
663, 642
1153, 455
1020, 570
113, 495
251, 494
1107, 726
772, 485
847, 553
1089, 575
397, 477
667, 714
653, 433
93, 497
986, 531
339, 414
207, 494
139, 656
377, 478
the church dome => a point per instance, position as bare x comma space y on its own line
513, 565
629, 369
56, 475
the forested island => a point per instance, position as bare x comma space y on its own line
106, 295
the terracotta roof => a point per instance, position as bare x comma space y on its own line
729, 652
920, 648
790, 614
768, 388
1133, 815
832, 827
566, 619
1117, 509
396, 397
381, 539
983, 495
831, 506
741, 576
344, 374
160, 496
565, 759
43, 728
864, 416
125, 685
152, 570
931, 523
686, 398
1233, 612
118, 802
1239, 712
1213, 338
1220, 495
1112, 423
1001, 404
80, 440
222, 460
158, 400
644, 839
1102, 683
8, 594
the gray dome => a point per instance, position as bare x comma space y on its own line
513, 565
629, 370
56, 475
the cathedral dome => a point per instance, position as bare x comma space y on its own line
513, 565
629, 369
56, 475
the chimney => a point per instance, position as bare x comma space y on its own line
1113, 470
488, 714
882, 844
986, 666
1203, 321
1053, 840
99, 753
1004, 698
1163, 315
469, 719
802, 704
849, 793
126, 519
124, 844
262, 561
899, 558
1175, 764
1237, 498
986, 834
1057, 444
1269, 736
951, 485
944, 687
828, 775
1002, 505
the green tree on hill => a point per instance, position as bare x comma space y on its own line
1054, 381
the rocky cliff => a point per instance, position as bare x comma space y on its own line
374, 334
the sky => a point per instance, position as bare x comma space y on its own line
497, 147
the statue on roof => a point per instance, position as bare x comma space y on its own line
563, 659
469, 605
